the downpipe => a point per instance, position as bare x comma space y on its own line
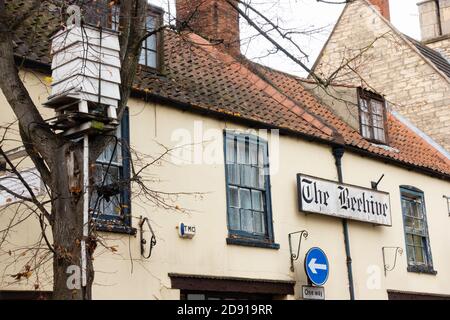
338, 153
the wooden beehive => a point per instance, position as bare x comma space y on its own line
85, 69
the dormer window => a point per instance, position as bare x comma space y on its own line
372, 116
149, 54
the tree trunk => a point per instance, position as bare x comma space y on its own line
67, 227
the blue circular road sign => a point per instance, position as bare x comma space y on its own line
317, 266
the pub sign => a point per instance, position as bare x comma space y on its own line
330, 198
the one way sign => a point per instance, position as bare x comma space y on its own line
316, 266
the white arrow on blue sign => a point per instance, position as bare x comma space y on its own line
317, 267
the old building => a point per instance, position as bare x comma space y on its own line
248, 144
413, 76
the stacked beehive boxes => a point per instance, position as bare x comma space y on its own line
85, 73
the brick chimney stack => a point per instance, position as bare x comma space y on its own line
383, 6
214, 20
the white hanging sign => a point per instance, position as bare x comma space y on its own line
342, 200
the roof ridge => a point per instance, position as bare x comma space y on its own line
263, 85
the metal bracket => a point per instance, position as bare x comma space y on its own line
294, 257
398, 251
143, 241
448, 203
374, 184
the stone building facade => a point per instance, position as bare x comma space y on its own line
365, 49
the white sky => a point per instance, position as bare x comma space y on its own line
307, 15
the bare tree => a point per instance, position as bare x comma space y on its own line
60, 160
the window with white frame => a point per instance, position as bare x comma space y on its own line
418, 249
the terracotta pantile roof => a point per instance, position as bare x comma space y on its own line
198, 75
405, 145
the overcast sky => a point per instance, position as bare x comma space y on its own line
307, 15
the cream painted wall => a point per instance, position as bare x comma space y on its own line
125, 275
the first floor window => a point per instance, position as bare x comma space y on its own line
149, 52
248, 186
110, 199
416, 232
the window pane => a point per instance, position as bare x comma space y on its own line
409, 239
419, 255
379, 134
410, 253
417, 241
377, 107
233, 173
245, 200
142, 57
258, 219
241, 152
366, 132
234, 197
150, 43
262, 178
254, 177
364, 105
418, 225
261, 150
151, 58
230, 151
257, 200
247, 220
416, 208
365, 118
253, 153
150, 23
246, 175
234, 219
409, 223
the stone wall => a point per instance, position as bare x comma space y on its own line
378, 58
441, 44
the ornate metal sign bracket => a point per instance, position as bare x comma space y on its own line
295, 256
387, 267
143, 241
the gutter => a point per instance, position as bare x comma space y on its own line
338, 153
